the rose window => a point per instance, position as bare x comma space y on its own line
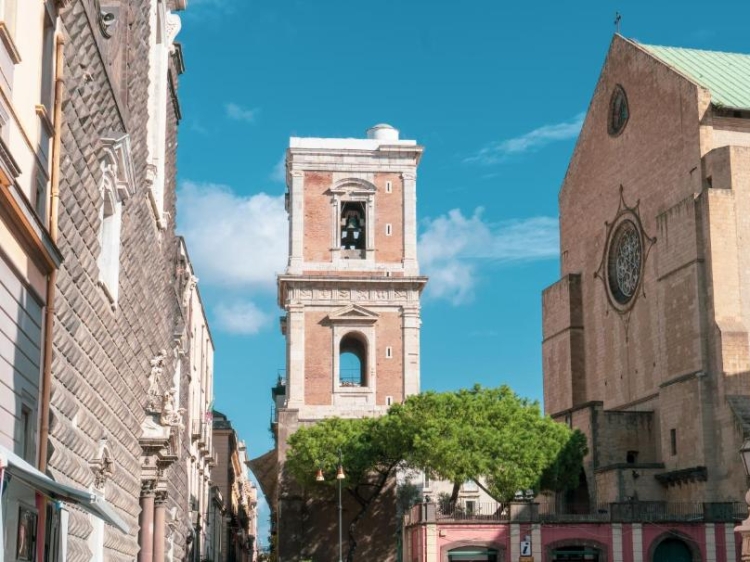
624, 263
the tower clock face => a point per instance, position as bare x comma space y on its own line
625, 260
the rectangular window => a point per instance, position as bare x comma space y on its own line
388, 400
427, 483
109, 240
388, 352
48, 63
471, 507
388, 230
673, 441
388, 187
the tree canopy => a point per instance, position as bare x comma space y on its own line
489, 435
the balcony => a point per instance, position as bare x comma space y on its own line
615, 512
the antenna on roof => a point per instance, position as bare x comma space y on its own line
618, 17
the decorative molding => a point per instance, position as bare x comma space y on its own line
44, 117
118, 159
10, 46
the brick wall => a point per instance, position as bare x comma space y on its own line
389, 209
317, 221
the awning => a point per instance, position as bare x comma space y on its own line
87, 501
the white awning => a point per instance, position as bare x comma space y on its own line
87, 501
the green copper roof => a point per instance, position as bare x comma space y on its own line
725, 75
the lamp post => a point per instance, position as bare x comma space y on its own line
744, 528
339, 478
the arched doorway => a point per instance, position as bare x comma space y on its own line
672, 550
473, 554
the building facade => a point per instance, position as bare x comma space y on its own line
196, 371
117, 422
235, 520
542, 531
351, 300
645, 336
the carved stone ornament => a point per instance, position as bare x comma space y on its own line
171, 416
102, 466
107, 18
172, 26
154, 397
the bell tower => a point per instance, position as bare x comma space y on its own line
351, 291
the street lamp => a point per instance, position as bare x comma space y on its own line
744, 528
340, 476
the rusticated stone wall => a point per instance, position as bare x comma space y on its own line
102, 351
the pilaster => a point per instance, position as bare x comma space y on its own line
296, 355
410, 223
411, 326
296, 222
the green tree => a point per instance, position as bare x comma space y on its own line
367, 454
489, 435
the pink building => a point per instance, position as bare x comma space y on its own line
532, 532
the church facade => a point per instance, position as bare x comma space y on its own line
646, 344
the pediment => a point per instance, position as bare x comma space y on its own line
353, 313
353, 186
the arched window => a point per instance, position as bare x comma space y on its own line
353, 225
353, 360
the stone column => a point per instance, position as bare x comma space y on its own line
146, 523
160, 530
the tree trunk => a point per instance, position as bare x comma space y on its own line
364, 505
454, 494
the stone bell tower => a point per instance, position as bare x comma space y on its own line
350, 294
352, 286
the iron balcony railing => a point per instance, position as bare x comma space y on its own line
543, 512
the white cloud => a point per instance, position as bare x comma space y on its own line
239, 113
241, 317
498, 151
452, 247
234, 241
278, 174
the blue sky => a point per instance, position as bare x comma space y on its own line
495, 91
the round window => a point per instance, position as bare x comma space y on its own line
619, 112
625, 259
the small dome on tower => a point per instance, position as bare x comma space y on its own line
382, 131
